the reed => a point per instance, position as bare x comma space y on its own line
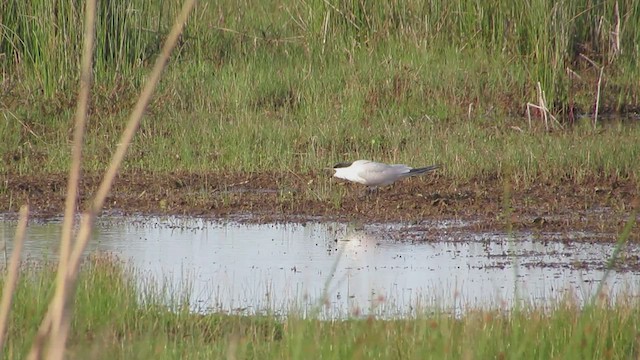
53, 332
12, 274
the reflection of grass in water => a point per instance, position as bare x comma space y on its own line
599, 297
113, 320
506, 213
622, 240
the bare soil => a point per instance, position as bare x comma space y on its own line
602, 206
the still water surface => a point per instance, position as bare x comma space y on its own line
386, 269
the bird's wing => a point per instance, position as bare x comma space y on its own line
371, 167
379, 173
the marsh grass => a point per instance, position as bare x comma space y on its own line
487, 53
466, 149
114, 319
294, 86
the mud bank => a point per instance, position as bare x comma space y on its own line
267, 197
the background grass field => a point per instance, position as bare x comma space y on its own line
299, 85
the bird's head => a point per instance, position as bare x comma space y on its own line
340, 169
341, 165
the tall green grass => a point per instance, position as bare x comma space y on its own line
545, 38
113, 319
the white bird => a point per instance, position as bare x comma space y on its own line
374, 174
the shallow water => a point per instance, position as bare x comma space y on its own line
386, 269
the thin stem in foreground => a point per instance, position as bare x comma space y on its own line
12, 274
59, 335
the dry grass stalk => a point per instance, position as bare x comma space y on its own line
58, 303
617, 50
86, 78
597, 104
595, 115
53, 317
12, 274
593, 63
59, 332
542, 107
325, 30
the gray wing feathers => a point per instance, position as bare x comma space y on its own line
376, 174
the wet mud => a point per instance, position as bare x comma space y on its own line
595, 206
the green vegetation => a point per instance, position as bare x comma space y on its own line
298, 85
112, 321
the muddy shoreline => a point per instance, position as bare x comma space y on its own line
601, 206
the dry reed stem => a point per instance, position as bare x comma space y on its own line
543, 106
597, 104
12, 274
37, 346
325, 30
593, 63
59, 335
348, 18
545, 113
617, 50
595, 116
76, 158
53, 318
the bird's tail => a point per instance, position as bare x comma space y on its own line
422, 170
